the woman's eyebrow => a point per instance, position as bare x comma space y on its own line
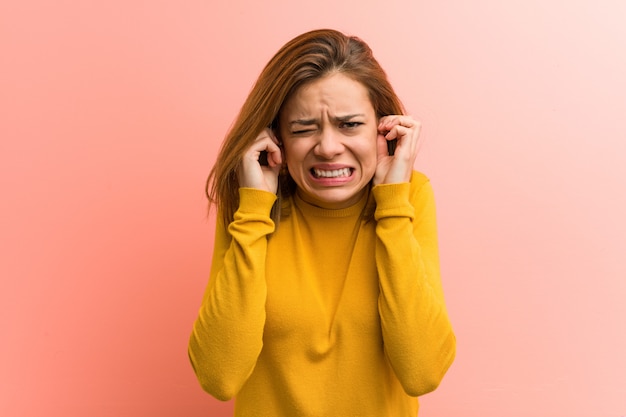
303, 122
347, 117
309, 122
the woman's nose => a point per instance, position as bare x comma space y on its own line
329, 144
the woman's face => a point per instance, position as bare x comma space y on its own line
329, 131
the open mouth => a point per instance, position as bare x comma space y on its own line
331, 173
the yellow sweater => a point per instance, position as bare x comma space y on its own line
331, 315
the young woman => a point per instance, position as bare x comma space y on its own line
324, 297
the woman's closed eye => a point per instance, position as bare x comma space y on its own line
302, 131
341, 125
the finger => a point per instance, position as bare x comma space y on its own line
407, 141
266, 142
388, 122
403, 126
399, 132
274, 153
275, 157
267, 133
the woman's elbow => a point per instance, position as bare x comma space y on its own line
220, 391
219, 386
426, 384
432, 371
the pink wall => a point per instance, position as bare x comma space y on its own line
110, 117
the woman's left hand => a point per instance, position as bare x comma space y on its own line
398, 167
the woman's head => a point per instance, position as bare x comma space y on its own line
306, 58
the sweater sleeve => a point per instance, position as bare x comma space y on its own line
418, 337
227, 335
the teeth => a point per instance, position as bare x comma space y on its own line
335, 173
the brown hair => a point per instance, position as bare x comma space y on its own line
307, 57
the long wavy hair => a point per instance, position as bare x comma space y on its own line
305, 58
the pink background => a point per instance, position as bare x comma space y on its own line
111, 113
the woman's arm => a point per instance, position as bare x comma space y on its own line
228, 333
417, 333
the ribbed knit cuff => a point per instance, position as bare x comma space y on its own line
254, 201
392, 200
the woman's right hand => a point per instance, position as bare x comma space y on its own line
262, 177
